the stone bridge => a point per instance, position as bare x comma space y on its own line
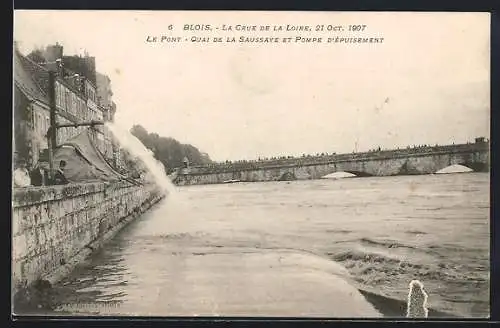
411, 161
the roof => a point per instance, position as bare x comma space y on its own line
39, 75
84, 161
33, 80
30, 77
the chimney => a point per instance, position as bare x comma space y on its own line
53, 52
52, 66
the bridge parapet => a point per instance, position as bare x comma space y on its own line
478, 147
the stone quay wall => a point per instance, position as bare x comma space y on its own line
54, 228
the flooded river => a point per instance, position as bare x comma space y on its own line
239, 244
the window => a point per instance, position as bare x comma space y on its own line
62, 95
77, 106
38, 122
73, 110
82, 108
59, 96
59, 99
56, 93
41, 123
66, 99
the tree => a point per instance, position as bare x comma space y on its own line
169, 151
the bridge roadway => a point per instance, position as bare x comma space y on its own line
418, 160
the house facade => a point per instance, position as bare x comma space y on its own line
108, 108
76, 101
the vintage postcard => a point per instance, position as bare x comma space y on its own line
251, 164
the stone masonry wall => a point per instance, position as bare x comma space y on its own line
418, 163
52, 225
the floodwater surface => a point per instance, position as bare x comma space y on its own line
275, 248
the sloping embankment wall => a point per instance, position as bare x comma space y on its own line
54, 228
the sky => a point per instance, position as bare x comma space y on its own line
427, 83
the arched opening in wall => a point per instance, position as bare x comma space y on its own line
408, 169
456, 168
287, 176
360, 174
478, 166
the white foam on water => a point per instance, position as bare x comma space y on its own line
454, 169
339, 175
137, 149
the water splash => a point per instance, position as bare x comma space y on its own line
417, 301
156, 170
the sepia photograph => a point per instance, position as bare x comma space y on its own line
251, 164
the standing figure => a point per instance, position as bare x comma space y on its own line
21, 175
59, 177
38, 175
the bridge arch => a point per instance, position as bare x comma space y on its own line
476, 166
346, 174
287, 176
359, 174
343, 169
236, 175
